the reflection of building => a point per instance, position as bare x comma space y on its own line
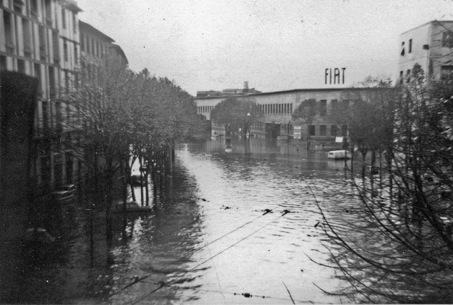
279, 106
429, 45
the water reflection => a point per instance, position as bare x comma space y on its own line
217, 234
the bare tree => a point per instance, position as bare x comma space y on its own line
400, 245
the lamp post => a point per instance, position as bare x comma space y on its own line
247, 123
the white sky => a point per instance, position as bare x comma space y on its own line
273, 44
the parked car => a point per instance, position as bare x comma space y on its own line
65, 192
339, 154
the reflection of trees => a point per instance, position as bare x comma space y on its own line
387, 260
159, 246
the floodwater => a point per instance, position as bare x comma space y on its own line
239, 227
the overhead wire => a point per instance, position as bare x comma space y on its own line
137, 280
163, 284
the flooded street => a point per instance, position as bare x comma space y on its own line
217, 242
231, 228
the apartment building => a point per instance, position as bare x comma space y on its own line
95, 46
429, 45
40, 38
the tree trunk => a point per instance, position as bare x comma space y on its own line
141, 179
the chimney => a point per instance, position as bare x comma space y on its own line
246, 87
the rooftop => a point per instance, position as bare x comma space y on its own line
88, 28
70, 5
293, 91
429, 22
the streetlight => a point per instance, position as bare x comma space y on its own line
247, 124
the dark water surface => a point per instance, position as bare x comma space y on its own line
208, 240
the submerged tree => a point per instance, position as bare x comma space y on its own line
400, 247
234, 114
118, 114
369, 116
306, 112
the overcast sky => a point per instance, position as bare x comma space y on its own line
273, 44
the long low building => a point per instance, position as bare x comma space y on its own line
278, 108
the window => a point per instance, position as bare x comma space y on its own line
408, 75
333, 106
45, 116
66, 81
55, 42
311, 130
401, 76
74, 23
402, 48
75, 54
34, 7
446, 72
345, 104
447, 39
3, 65
48, 9
65, 50
52, 87
38, 75
322, 130
344, 130
410, 46
63, 18
82, 42
322, 107
42, 42
333, 130
27, 37
59, 116
18, 4
20, 66
8, 32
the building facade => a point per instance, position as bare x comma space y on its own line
429, 45
39, 38
278, 107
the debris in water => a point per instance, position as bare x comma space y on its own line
266, 211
